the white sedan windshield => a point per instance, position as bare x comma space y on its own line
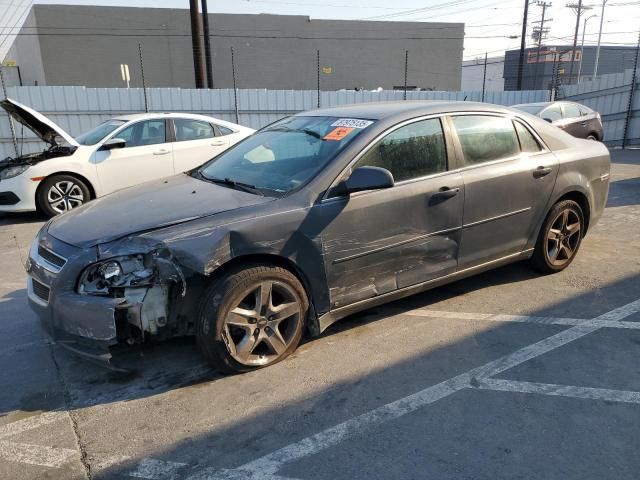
94, 135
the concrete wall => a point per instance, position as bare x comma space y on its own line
85, 45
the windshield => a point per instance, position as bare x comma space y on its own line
286, 154
94, 135
532, 109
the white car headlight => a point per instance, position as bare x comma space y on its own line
13, 171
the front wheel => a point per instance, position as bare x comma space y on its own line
251, 318
61, 193
559, 238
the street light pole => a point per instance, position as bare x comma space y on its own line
584, 28
595, 66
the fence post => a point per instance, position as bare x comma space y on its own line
406, 71
634, 77
144, 85
235, 90
484, 75
10, 118
318, 75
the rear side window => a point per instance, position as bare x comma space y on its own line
189, 129
484, 138
225, 130
528, 143
412, 151
571, 110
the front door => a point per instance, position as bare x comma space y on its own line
508, 179
381, 241
146, 156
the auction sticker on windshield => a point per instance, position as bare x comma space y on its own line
351, 123
338, 133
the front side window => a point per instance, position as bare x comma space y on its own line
412, 151
188, 129
485, 138
284, 155
552, 113
528, 143
148, 132
94, 135
571, 110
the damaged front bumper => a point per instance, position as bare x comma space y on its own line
89, 324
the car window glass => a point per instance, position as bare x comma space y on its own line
528, 143
584, 110
412, 151
225, 130
552, 113
189, 129
148, 132
571, 110
93, 136
485, 138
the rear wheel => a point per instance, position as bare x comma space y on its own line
592, 136
61, 193
559, 238
251, 318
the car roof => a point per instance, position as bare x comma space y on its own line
408, 108
194, 116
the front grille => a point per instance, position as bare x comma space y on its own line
40, 290
51, 257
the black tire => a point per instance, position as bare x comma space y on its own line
235, 291
592, 136
559, 239
77, 194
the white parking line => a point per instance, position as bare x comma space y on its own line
35, 454
30, 423
152, 469
589, 393
266, 467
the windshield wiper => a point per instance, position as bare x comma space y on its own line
245, 187
302, 130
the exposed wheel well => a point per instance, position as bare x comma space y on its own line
92, 190
277, 261
581, 200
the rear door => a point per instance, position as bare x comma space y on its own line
384, 240
147, 155
573, 122
508, 178
196, 142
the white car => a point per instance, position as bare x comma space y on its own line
119, 153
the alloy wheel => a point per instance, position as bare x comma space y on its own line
262, 325
563, 237
64, 196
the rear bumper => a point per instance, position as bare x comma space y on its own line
21, 188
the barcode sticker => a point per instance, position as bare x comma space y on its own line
351, 123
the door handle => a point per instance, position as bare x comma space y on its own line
541, 172
161, 152
584, 124
218, 143
444, 193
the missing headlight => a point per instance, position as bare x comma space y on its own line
121, 272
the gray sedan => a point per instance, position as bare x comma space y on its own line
317, 216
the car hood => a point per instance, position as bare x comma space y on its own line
145, 207
44, 128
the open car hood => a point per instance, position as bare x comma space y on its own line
44, 128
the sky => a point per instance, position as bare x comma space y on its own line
488, 23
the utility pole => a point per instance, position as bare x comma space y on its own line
578, 8
584, 29
196, 43
523, 41
539, 34
207, 44
595, 66
634, 79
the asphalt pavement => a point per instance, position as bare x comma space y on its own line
506, 375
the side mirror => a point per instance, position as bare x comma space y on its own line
368, 178
113, 143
